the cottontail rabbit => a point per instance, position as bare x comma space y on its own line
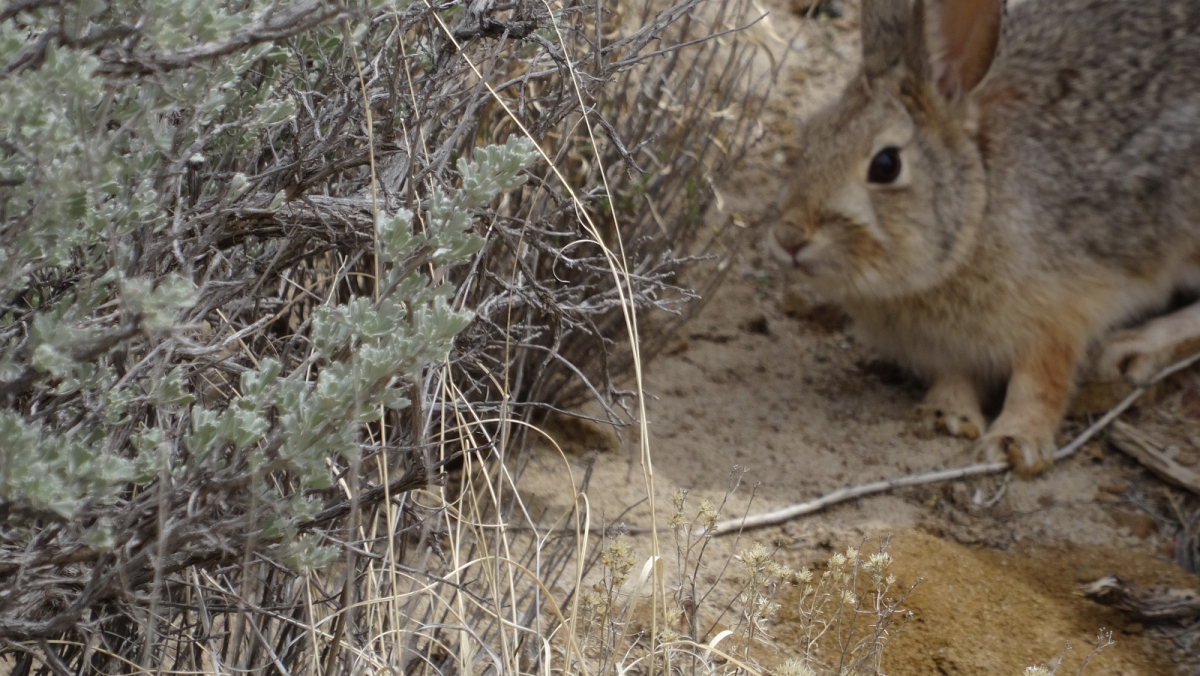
986, 205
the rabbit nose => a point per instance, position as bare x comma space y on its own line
794, 249
791, 235
792, 239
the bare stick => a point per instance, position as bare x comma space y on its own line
1130, 441
850, 492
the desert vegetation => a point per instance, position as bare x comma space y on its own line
288, 287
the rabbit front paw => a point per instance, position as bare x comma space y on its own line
1030, 452
952, 407
962, 422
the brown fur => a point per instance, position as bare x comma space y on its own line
1048, 192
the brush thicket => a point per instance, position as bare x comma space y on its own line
250, 189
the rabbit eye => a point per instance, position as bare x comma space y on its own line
885, 166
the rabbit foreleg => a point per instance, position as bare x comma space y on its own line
1038, 392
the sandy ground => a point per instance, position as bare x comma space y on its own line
765, 391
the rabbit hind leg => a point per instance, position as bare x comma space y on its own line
1137, 355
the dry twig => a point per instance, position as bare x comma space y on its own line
1134, 443
843, 494
1167, 605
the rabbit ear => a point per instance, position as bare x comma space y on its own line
886, 34
961, 37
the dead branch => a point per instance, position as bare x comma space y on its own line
849, 493
1137, 445
1151, 607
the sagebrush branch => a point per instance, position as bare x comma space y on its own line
269, 27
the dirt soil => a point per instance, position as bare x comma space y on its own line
773, 394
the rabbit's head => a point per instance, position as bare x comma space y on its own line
887, 191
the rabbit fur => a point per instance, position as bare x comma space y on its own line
1047, 189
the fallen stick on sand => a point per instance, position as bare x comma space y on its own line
850, 492
1137, 445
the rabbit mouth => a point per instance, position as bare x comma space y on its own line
798, 259
808, 268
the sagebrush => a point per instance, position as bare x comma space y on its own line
284, 284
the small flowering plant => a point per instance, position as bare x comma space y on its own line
847, 613
1103, 640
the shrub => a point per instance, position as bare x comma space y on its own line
268, 268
